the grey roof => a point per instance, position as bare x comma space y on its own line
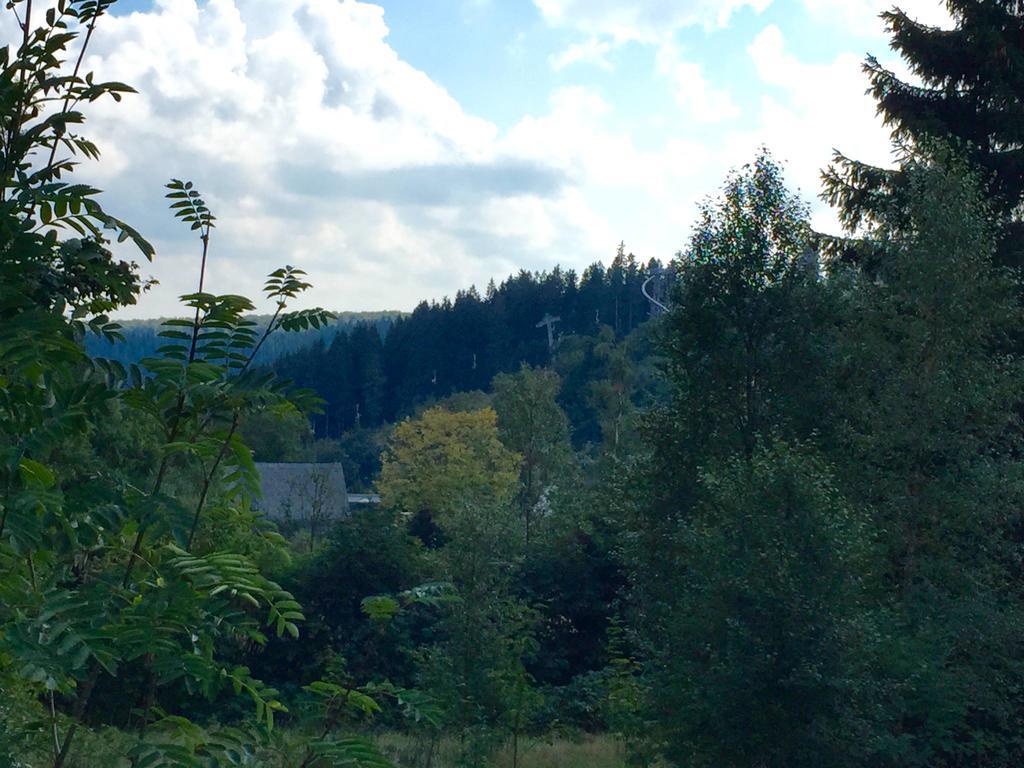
299, 491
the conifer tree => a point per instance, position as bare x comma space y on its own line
971, 94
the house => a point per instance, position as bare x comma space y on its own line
307, 493
303, 493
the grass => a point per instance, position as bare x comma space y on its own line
106, 748
587, 752
592, 752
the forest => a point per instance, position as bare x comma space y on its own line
775, 523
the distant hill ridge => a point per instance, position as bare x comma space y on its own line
369, 378
372, 368
141, 336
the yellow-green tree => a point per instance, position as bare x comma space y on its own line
443, 461
453, 470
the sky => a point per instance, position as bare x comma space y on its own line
400, 150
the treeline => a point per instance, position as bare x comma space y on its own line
369, 378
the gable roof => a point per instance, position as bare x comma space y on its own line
300, 490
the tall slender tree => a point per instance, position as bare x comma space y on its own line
738, 544
531, 423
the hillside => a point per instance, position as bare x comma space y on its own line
369, 377
141, 337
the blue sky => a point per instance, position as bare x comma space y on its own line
401, 149
470, 46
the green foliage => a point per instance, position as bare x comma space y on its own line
367, 555
453, 465
438, 462
357, 752
744, 545
573, 579
930, 395
755, 644
360, 453
966, 92
826, 515
39, 107
531, 423
624, 701
278, 435
190, 207
139, 339
611, 395
477, 670
380, 607
807, 553
190, 746
380, 373
738, 345
106, 569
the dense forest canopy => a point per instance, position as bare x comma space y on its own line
776, 523
368, 377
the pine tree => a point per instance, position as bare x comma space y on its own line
971, 95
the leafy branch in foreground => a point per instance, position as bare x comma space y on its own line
106, 574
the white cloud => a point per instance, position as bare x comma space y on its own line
316, 144
702, 101
645, 196
593, 51
611, 23
861, 16
642, 20
813, 109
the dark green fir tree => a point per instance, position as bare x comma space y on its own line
969, 92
